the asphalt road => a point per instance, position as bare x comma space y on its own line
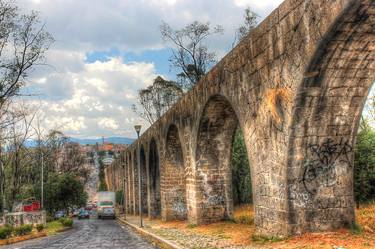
89, 234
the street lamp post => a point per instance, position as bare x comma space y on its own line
42, 182
138, 130
124, 198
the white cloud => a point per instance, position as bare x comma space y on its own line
94, 99
257, 4
108, 123
90, 25
100, 102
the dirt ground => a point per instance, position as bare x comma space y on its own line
239, 233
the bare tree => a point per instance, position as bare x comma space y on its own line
157, 99
16, 157
72, 160
54, 142
190, 54
23, 42
250, 22
368, 113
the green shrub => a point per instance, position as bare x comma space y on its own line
5, 231
67, 222
40, 227
22, 230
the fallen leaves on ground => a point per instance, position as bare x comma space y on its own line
239, 233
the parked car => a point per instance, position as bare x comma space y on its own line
75, 212
59, 214
83, 214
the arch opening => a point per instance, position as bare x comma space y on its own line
154, 180
241, 175
174, 183
216, 134
364, 155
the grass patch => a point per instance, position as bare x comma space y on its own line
265, 239
356, 229
53, 227
244, 219
244, 215
191, 226
366, 216
67, 222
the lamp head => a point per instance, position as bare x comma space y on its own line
137, 128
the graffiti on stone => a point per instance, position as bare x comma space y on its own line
33, 218
329, 160
179, 206
177, 198
300, 197
20, 218
324, 166
215, 200
212, 189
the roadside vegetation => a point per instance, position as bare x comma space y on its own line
10, 234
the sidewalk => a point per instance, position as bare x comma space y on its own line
179, 233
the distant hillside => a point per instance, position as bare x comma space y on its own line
113, 140
91, 141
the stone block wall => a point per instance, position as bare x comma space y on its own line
296, 87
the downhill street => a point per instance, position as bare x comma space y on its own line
89, 234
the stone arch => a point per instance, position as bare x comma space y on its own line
217, 127
143, 179
154, 180
173, 181
326, 115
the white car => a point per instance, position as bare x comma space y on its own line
107, 212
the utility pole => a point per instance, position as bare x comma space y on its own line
2, 184
2, 175
42, 181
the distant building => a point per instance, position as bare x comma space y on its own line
105, 147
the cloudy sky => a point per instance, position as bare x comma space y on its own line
105, 50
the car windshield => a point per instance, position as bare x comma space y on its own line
106, 203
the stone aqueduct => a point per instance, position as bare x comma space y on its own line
296, 87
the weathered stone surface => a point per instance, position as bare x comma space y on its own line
296, 87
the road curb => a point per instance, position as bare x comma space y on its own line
15, 240
162, 243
